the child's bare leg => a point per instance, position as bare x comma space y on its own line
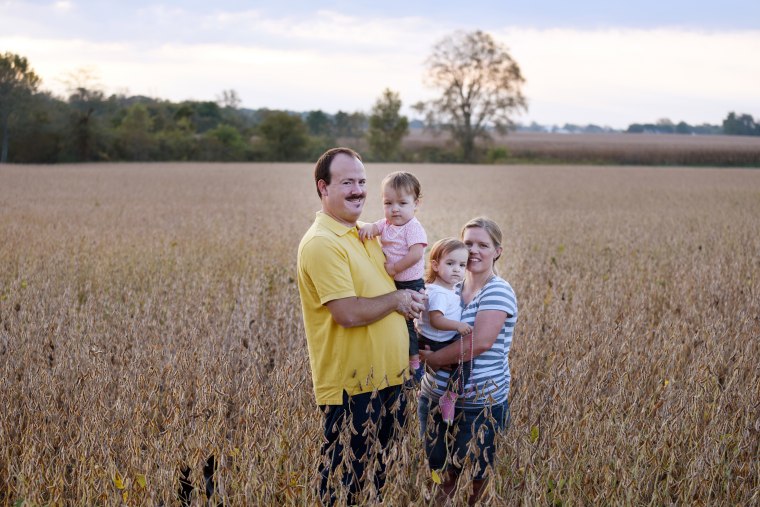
415, 367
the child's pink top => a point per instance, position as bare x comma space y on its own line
396, 241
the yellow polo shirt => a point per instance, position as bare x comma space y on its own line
333, 263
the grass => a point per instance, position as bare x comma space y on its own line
149, 319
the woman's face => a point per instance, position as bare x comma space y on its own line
482, 250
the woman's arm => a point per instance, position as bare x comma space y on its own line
488, 324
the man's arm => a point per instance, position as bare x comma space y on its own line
356, 311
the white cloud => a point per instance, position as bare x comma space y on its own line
331, 61
63, 5
637, 75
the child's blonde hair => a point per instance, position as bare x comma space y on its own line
405, 181
440, 248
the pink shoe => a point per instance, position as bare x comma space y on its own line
447, 403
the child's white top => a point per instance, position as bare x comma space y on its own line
396, 241
445, 301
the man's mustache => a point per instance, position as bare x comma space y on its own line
357, 196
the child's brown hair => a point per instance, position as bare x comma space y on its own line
405, 181
439, 249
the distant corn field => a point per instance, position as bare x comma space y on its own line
611, 148
149, 319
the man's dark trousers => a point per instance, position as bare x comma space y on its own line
383, 415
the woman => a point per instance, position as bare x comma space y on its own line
490, 307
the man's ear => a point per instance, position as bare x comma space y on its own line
322, 186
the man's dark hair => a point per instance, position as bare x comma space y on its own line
322, 167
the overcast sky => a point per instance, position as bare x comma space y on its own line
604, 62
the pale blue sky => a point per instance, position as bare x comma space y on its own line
604, 62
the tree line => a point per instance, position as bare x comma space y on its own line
88, 126
479, 89
479, 85
38, 127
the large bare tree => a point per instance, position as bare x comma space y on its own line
85, 97
480, 88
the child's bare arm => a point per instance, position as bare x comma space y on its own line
438, 321
414, 255
368, 231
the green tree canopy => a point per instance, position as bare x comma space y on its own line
319, 123
480, 86
17, 83
350, 124
284, 135
740, 125
135, 133
386, 126
224, 142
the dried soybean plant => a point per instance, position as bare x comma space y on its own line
152, 349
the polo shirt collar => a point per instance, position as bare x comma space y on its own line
333, 225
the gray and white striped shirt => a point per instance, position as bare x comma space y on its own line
489, 381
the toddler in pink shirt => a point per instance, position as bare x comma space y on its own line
403, 240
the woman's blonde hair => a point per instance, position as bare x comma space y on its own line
440, 248
488, 225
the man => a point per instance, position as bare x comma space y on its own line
355, 330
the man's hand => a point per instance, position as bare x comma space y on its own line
411, 303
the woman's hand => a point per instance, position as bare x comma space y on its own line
432, 359
427, 357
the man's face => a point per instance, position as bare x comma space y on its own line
343, 199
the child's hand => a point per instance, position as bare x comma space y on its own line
390, 268
464, 329
367, 231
